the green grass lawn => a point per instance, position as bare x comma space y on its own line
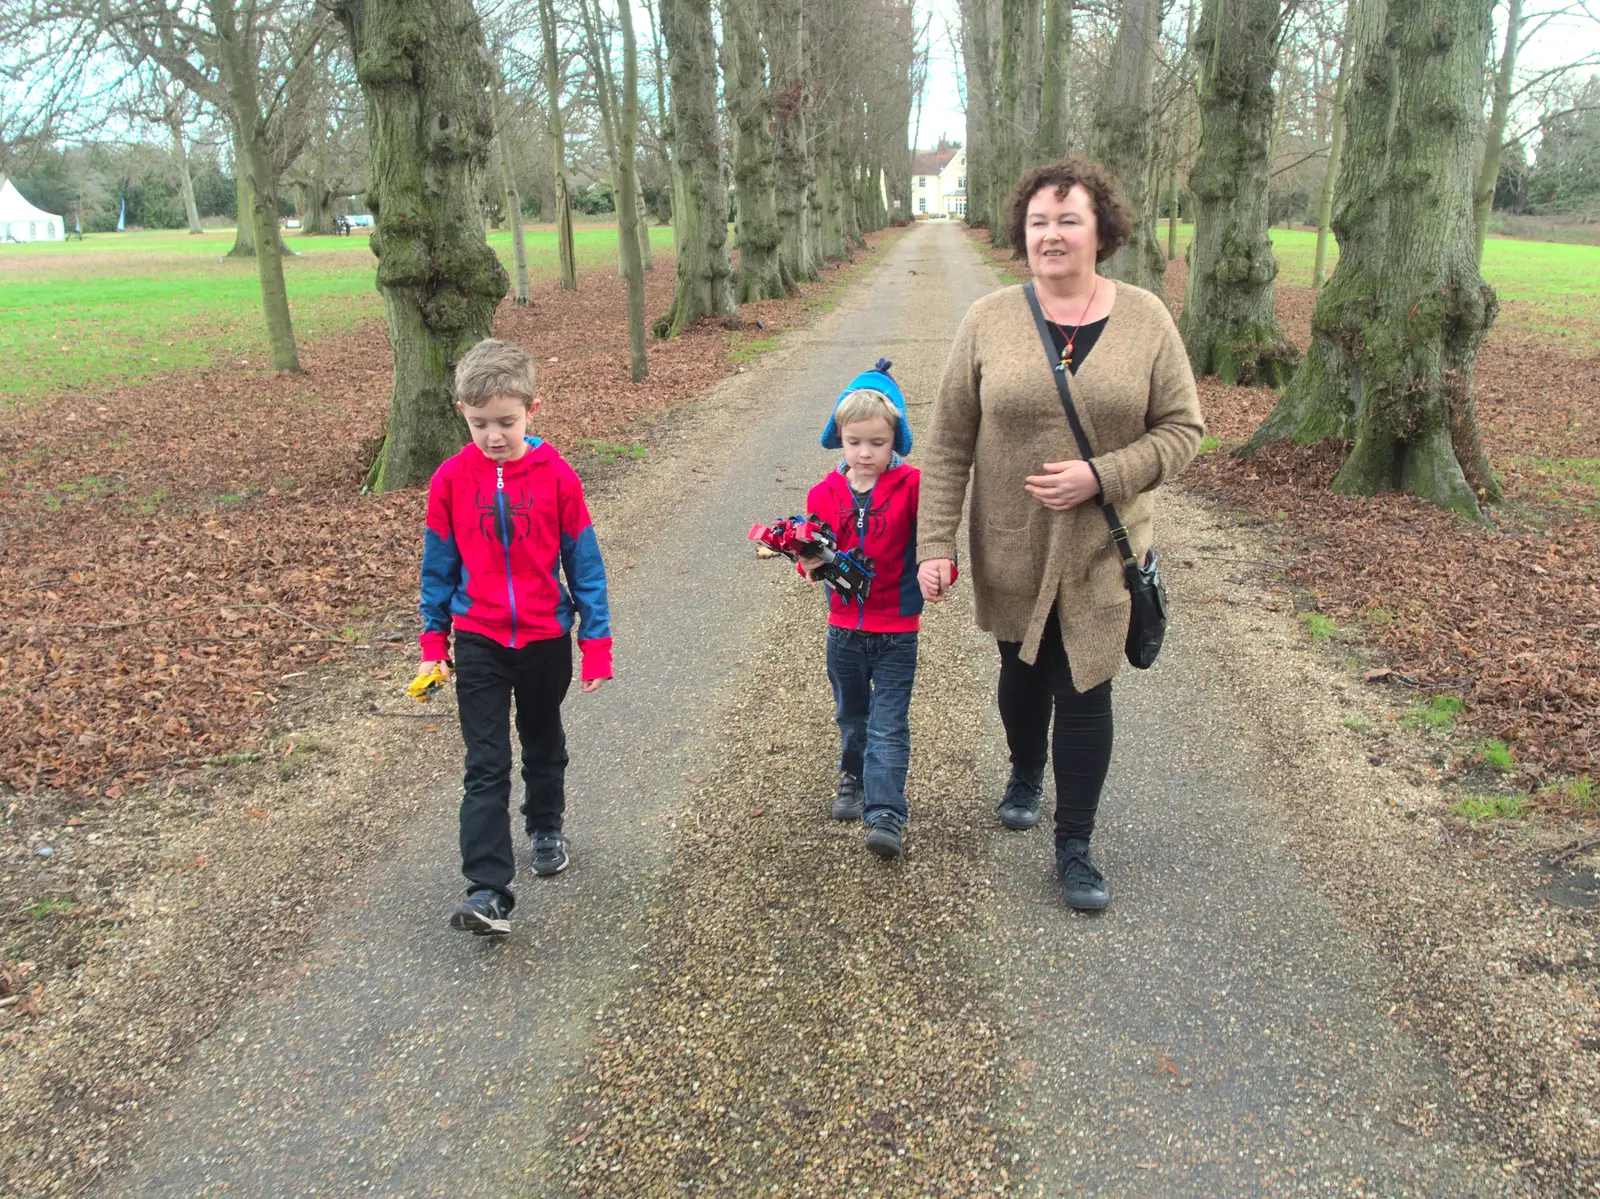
1546, 289
117, 308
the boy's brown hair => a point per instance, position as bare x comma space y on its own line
1113, 221
865, 404
495, 368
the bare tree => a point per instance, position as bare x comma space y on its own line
1228, 323
1396, 331
425, 72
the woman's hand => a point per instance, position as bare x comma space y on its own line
1063, 485
934, 577
592, 685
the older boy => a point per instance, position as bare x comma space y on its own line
870, 500
503, 515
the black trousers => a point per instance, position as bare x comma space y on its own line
488, 676
1081, 755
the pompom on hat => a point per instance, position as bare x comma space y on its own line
877, 379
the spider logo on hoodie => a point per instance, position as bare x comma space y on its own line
518, 521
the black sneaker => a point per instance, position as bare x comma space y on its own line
483, 913
1019, 806
1082, 885
847, 802
549, 853
884, 839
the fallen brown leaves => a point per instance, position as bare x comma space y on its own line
175, 555
1505, 615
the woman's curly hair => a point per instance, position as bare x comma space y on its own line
1113, 221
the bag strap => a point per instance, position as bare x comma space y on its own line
1058, 371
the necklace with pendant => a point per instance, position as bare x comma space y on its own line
1066, 350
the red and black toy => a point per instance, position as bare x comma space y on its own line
796, 537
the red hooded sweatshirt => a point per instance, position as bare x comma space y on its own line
885, 528
499, 538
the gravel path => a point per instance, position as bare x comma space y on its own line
726, 995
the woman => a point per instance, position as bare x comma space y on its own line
1046, 578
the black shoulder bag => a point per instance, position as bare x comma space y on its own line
1147, 616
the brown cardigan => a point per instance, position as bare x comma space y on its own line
998, 416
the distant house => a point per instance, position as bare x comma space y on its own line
939, 182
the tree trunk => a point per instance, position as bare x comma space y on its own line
239, 76
424, 75
1019, 20
244, 234
558, 149
508, 182
1125, 142
1172, 207
1319, 268
981, 117
1396, 332
750, 113
705, 272
318, 199
1494, 133
785, 21
628, 206
1055, 87
646, 255
1228, 324
180, 160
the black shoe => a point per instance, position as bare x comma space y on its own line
884, 839
484, 913
549, 853
1082, 885
847, 802
1019, 806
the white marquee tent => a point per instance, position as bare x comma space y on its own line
21, 221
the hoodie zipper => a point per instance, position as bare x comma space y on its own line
505, 542
861, 539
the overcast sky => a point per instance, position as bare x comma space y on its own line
1561, 42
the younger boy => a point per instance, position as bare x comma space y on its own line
870, 501
503, 515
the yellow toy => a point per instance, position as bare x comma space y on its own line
429, 680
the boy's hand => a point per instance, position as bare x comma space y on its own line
810, 566
590, 686
935, 577
430, 677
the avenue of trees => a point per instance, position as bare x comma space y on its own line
788, 119
1396, 127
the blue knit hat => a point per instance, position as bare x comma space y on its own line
877, 379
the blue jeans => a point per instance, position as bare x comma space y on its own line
872, 675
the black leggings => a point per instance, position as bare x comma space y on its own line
1082, 728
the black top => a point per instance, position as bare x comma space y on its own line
1081, 344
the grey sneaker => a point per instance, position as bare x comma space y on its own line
484, 913
1019, 806
1082, 885
549, 853
885, 839
847, 800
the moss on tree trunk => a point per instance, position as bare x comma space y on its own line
1396, 331
424, 74
700, 207
1228, 323
760, 275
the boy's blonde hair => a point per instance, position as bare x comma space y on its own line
495, 368
864, 404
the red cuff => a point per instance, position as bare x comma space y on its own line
596, 658
435, 647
